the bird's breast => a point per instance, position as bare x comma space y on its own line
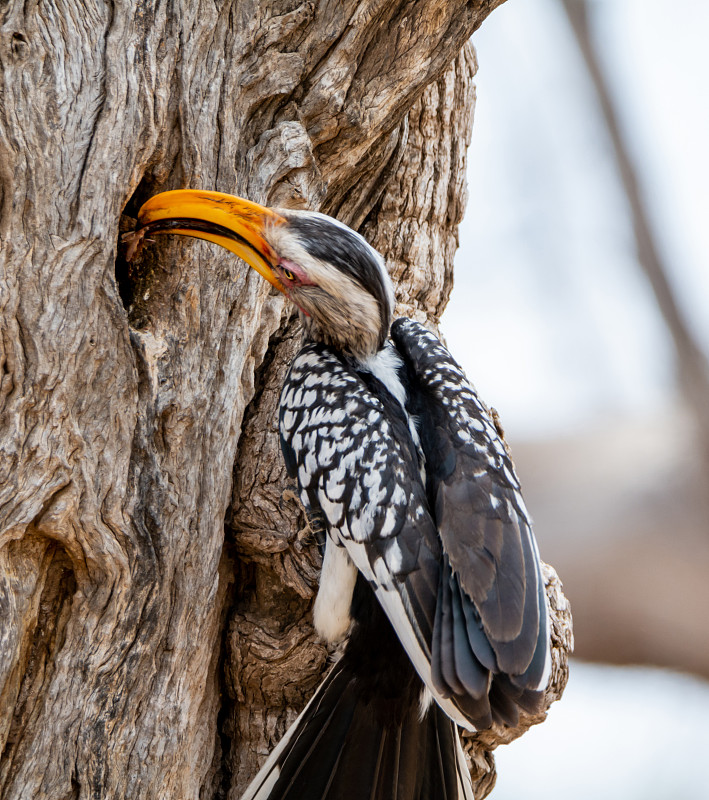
387, 366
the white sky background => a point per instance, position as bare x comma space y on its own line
617, 734
553, 321
550, 315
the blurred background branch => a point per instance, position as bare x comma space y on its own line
692, 365
580, 311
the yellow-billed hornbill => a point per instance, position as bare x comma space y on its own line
430, 565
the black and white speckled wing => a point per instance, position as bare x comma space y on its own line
359, 466
493, 589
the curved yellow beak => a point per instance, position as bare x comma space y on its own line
232, 222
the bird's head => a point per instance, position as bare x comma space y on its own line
337, 280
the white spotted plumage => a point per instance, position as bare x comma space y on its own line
369, 482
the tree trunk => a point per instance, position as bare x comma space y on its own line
143, 653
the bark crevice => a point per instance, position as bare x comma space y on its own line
44, 638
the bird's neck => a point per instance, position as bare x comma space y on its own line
352, 340
386, 365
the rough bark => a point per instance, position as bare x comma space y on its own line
139, 655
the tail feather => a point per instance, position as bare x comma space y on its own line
361, 753
448, 772
340, 748
297, 767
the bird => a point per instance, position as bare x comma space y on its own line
431, 575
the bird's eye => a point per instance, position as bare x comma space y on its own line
289, 274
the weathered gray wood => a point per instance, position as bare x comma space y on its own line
132, 642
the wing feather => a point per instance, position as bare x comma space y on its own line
485, 532
471, 673
453, 563
373, 501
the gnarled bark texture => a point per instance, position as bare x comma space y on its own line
143, 653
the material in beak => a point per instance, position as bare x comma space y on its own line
232, 222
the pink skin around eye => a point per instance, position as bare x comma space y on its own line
300, 278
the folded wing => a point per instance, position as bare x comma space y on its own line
455, 570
